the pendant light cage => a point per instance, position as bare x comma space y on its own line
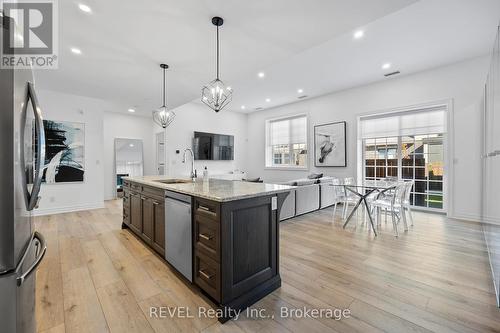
162, 116
216, 94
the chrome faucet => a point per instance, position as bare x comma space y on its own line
193, 172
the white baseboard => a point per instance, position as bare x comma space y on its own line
466, 217
67, 209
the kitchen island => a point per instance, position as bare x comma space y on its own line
234, 233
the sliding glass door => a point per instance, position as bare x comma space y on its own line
411, 157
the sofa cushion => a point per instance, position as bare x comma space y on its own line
304, 182
254, 180
326, 179
315, 175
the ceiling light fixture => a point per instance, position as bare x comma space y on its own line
215, 94
162, 116
300, 91
268, 100
243, 107
84, 8
131, 110
76, 51
359, 34
261, 74
386, 65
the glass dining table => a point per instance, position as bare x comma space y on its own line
363, 192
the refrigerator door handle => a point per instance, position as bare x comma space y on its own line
41, 249
32, 198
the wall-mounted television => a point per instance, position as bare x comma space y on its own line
215, 147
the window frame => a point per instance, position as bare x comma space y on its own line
269, 157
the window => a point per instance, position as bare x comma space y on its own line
419, 158
286, 142
407, 146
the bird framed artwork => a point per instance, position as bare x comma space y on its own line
330, 145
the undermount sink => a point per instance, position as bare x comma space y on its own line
173, 181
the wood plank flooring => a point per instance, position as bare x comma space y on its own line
435, 278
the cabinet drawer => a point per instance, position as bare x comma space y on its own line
207, 240
207, 208
156, 193
136, 187
207, 275
126, 183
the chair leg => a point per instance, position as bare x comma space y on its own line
410, 214
394, 224
403, 215
334, 210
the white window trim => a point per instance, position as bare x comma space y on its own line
449, 139
291, 167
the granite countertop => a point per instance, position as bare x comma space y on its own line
213, 189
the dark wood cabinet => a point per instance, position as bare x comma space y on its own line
147, 218
158, 241
126, 206
236, 256
144, 214
136, 212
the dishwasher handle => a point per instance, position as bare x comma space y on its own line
178, 196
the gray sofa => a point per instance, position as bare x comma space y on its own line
309, 195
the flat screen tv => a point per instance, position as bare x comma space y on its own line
214, 147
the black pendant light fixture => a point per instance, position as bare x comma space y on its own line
162, 116
215, 94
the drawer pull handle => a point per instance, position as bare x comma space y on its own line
204, 208
205, 275
205, 237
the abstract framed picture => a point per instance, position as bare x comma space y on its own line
330, 145
64, 152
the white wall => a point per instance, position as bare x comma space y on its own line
463, 82
193, 117
88, 194
118, 125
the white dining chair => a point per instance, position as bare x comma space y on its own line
349, 197
407, 200
393, 204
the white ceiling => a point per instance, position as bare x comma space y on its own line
298, 43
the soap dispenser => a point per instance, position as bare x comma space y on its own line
205, 174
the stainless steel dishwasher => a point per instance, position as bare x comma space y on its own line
178, 233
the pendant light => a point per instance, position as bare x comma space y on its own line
215, 94
162, 116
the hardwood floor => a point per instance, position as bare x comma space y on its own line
99, 278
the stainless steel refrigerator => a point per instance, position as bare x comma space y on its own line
22, 154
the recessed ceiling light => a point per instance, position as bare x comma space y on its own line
243, 107
261, 74
84, 8
300, 91
359, 34
131, 110
131, 145
268, 100
76, 51
386, 65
